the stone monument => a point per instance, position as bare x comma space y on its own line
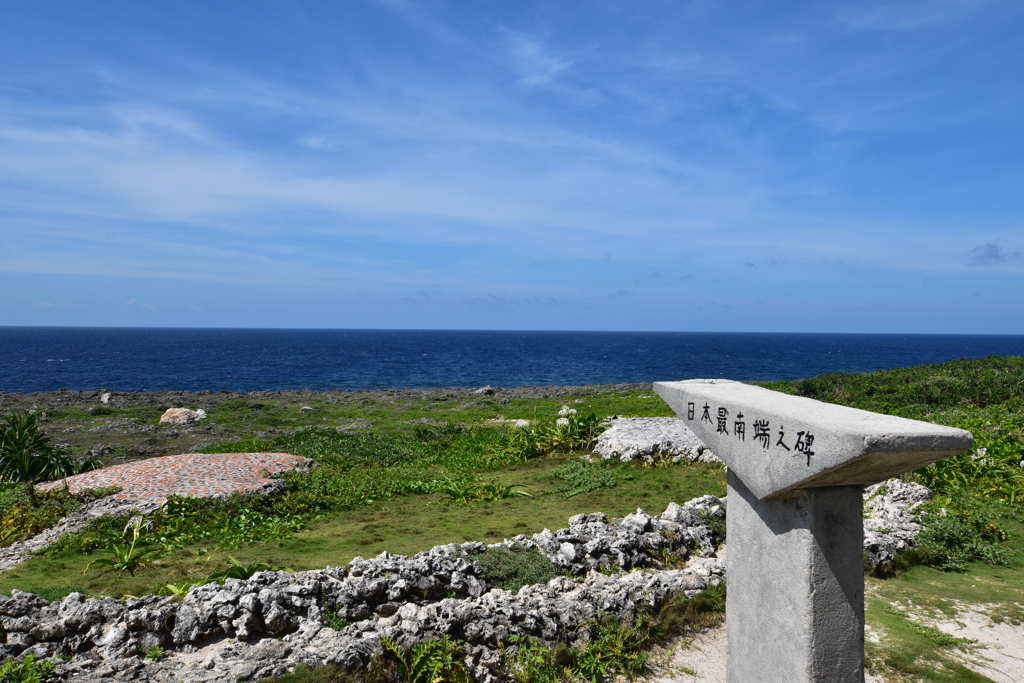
797, 467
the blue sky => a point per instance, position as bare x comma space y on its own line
727, 166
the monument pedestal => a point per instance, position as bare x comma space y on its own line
795, 527
796, 586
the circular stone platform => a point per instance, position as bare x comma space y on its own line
191, 474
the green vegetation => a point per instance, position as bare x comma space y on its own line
959, 530
404, 525
371, 491
511, 569
21, 518
431, 471
28, 455
584, 476
432, 661
27, 670
128, 557
154, 653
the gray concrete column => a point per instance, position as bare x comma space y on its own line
795, 605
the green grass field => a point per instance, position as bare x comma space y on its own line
392, 486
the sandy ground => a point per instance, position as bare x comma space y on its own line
701, 660
999, 654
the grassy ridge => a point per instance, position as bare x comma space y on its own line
921, 390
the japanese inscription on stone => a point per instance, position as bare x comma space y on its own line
777, 442
803, 447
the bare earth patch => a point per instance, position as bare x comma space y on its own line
698, 659
1000, 654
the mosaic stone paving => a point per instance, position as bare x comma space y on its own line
192, 474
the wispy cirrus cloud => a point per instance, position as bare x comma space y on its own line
535, 65
431, 152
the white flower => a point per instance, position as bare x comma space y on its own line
522, 423
137, 523
562, 422
566, 410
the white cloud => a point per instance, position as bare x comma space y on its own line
139, 305
313, 141
535, 66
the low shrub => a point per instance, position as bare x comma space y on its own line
568, 433
28, 670
970, 383
955, 530
511, 569
992, 469
716, 523
10, 495
958, 530
583, 476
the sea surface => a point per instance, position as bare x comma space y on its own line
150, 359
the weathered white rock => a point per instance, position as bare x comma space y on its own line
183, 416
643, 438
890, 525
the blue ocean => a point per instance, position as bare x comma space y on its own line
149, 359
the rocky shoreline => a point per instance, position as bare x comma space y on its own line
125, 426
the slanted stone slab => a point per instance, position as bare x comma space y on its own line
797, 469
777, 443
